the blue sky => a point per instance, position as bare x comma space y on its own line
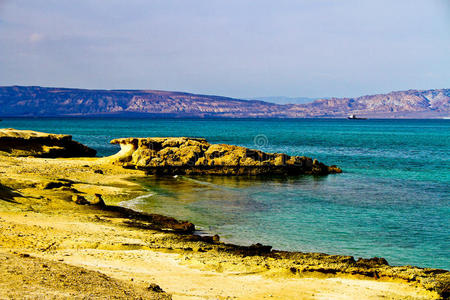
238, 48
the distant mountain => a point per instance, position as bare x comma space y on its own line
286, 100
403, 104
42, 101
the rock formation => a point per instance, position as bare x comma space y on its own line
32, 143
196, 156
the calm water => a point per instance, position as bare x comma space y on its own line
393, 199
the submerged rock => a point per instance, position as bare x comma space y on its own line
196, 156
38, 144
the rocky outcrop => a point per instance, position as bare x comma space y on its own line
196, 156
38, 144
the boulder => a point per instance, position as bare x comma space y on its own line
38, 144
184, 155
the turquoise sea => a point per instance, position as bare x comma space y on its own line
393, 199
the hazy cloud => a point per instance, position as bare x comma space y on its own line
36, 37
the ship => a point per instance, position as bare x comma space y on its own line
354, 117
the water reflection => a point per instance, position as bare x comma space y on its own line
213, 201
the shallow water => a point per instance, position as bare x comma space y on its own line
393, 199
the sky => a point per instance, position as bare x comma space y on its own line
236, 48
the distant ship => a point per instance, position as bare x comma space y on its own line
354, 117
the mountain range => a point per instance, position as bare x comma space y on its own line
286, 100
26, 101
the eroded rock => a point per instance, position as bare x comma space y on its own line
38, 144
196, 156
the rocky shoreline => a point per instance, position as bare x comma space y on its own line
50, 211
297, 263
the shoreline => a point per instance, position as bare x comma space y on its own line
129, 237
236, 240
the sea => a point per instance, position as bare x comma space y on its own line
392, 199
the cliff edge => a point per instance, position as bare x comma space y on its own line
184, 155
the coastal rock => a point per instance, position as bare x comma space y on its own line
184, 155
38, 144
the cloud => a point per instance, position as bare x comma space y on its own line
35, 37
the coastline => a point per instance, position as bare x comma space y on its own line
128, 246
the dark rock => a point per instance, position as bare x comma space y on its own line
98, 201
152, 221
155, 288
55, 184
374, 261
68, 181
182, 226
209, 239
8, 194
81, 200
260, 248
255, 249
445, 291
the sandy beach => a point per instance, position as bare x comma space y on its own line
46, 236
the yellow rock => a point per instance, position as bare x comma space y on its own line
184, 155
